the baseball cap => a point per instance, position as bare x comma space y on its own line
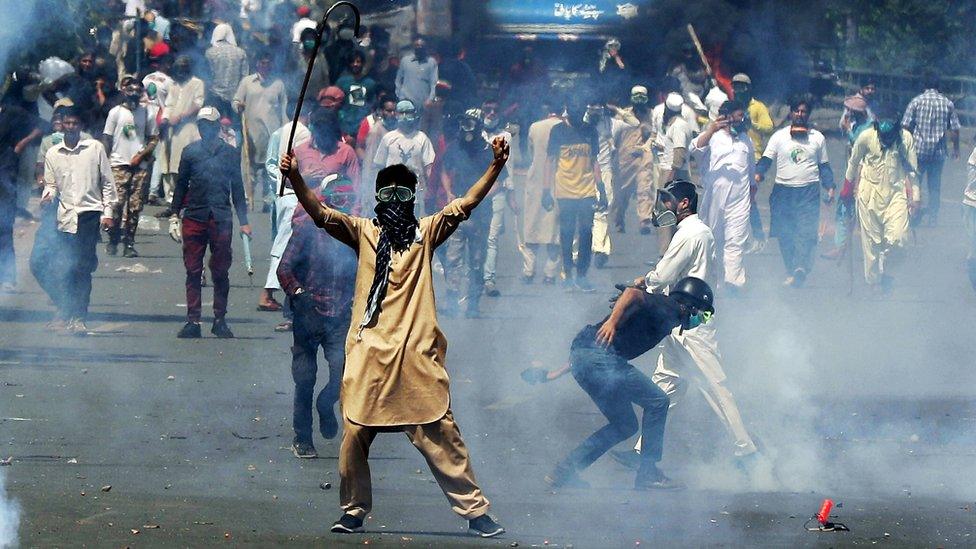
674, 102
638, 90
303, 11
159, 49
742, 78
210, 114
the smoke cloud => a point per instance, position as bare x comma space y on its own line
9, 517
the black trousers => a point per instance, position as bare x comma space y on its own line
930, 169
794, 220
81, 260
311, 331
615, 386
576, 219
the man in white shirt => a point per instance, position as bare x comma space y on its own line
692, 352
130, 135
157, 84
416, 78
409, 146
674, 141
969, 217
726, 160
608, 130
304, 22
78, 173
800, 154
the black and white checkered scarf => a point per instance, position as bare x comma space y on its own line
398, 230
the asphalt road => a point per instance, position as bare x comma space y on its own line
864, 400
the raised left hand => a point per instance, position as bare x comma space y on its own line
500, 150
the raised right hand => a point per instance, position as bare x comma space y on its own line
286, 163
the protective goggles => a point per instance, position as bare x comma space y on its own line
395, 193
468, 124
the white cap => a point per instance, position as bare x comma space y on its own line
638, 90
742, 78
208, 113
674, 102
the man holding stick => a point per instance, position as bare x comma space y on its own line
395, 378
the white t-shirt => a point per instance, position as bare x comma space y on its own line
162, 83
134, 7
677, 136
415, 151
657, 125
797, 161
969, 195
129, 131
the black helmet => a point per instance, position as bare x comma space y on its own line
694, 292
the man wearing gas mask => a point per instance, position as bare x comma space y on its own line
408, 145
178, 127
599, 360
886, 195
727, 162
131, 136
633, 161
800, 154
395, 377
319, 80
467, 246
493, 128
760, 125
692, 352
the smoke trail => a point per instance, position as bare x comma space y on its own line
9, 517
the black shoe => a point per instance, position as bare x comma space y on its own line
645, 229
628, 458
799, 277
656, 480
190, 330
600, 260
221, 330
303, 450
112, 248
527, 279
328, 424
348, 524
490, 289
130, 251
485, 527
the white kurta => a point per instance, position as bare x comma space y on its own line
727, 172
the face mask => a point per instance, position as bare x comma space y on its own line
696, 320
346, 33
739, 127
887, 133
209, 131
662, 216
308, 45
421, 53
407, 122
638, 99
492, 122
389, 122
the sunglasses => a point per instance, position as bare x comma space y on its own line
394, 192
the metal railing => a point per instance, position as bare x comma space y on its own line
899, 89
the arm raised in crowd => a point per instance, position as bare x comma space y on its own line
478, 191
339, 225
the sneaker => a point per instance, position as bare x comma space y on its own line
799, 277
527, 279
645, 228
190, 330
221, 330
112, 248
600, 260
77, 327
303, 450
628, 458
347, 524
56, 325
285, 326
130, 251
490, 289
583, 285
328, 424
549, 281
484, 527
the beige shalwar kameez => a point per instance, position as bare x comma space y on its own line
540, 228
886, 178
395, 377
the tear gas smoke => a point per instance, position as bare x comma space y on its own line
9, 516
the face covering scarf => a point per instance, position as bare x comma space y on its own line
398, 230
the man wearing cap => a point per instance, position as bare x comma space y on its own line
130, 136
77, 173
675, 141
633, 161
859, 102
646, 195
205, 188
303, 23
331, 98
261, 101
760, 129
395, 378
157, 85
416, 78
178, 127
410, 146
228, 65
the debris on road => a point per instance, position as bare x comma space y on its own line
7, 461
73, 460
326, 485
107, 488
242, 437
137, 268
134, 531
151, 526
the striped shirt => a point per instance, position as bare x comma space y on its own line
929, 116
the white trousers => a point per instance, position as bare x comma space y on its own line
284, 210
601, 219
725, 209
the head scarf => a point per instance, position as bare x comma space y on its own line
398, 230
223, 33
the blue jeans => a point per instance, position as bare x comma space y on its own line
615, 386
576, 219
311, 331
931, 170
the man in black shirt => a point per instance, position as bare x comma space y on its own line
17, 130
204, 190
598, 361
